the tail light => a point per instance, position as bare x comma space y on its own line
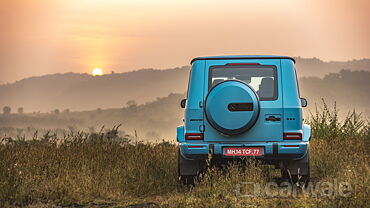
293, 136
198, 146
194, 136
290, 145
241, 64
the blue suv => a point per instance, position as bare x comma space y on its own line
244, 106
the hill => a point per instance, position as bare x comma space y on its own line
155, 120
349, 90
84, 92
158, 119
314, 67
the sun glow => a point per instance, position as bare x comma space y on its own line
97, 72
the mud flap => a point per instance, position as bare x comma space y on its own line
189, 167
297, 167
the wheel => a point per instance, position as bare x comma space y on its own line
187, 179
297, 171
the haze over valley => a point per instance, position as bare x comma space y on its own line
147, 100
77, 92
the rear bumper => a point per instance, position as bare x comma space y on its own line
270, 150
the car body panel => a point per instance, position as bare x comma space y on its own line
258, 131
285, 150
180, 134
306, 133
194, 115
266, 134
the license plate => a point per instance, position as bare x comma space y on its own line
243, 151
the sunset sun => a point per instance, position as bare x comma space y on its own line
97, 72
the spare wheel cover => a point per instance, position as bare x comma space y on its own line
232, 107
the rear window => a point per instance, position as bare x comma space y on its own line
263, 79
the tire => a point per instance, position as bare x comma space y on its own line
291, 170
187, 179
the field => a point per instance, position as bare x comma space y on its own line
111, 169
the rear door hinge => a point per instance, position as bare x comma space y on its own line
201, 128
200, 104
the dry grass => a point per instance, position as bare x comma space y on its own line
105, 169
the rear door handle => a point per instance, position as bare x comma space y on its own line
273, 118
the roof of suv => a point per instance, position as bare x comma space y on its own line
241, 57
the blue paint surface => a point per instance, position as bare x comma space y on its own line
202, 117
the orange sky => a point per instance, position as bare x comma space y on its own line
44, 37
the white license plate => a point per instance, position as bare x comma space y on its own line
243, 151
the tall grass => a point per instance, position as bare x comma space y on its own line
84, 167
79, 168
325, 124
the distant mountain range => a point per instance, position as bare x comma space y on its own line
314, 67
84, 92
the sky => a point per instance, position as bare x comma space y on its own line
57, 36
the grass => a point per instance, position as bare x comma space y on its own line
108, 169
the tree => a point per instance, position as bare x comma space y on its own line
20, 110
131, 103
7, 110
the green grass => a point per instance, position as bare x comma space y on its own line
106, 169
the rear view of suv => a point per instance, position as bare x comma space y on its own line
244, 106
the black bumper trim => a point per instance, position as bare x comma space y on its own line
275, 149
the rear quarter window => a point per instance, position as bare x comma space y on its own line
261, 78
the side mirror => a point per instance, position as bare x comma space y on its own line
183, 103
303, 102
